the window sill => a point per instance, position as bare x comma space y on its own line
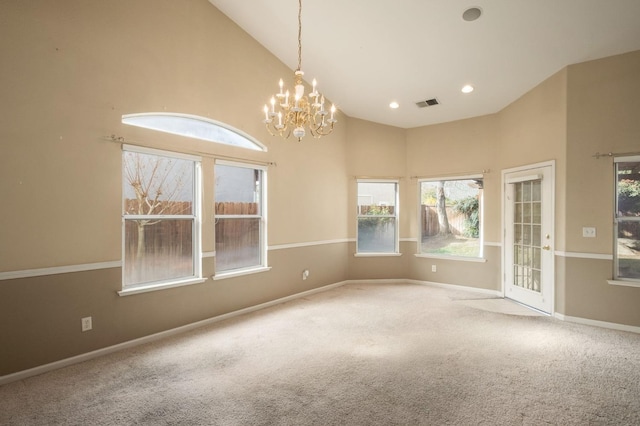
448, 257
240, 272
624, 283
160, 286
377, 254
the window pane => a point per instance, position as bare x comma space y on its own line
376, 198
377, 232
628, 189
192, 127
237, 190
628, 222
157, 185
158, 250
450, 213
628, 249
237, 243
376, 235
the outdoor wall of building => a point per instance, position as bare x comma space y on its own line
70, 70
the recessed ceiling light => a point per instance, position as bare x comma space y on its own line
394, 105
467, 88
471, 14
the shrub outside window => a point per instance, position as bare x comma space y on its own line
627, 219
161, 217
377, 217
240, 216
450, 217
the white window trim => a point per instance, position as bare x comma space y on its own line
622, 281
196, 123
396, 216
480, 257
197, 227
263, 223
240, 272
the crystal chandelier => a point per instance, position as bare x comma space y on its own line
292, 114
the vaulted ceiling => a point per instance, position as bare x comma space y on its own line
367, 53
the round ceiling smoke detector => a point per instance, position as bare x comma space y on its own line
471, 14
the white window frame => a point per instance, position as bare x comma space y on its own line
420, 253
632, 282
194, 126
262, 266
395, 216
195, 216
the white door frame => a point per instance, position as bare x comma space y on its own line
503, 274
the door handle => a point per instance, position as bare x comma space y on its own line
546, 247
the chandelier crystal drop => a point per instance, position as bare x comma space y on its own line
292, 113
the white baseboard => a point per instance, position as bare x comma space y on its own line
596, 323
20, 375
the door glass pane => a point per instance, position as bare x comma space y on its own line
536, 239
517, 217
517, 229
536, 281
537, 213
536, 193
527, 235
536, 258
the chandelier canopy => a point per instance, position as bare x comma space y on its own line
293, 113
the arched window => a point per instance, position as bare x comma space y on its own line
193, 126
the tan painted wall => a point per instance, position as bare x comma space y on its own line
603, 116
78, 66
458, 148
377, 151
533, 129
70, 69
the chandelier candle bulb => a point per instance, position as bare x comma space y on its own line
306, 112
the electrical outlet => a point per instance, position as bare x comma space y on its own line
588, 232
305, 274
434, 268
87, 324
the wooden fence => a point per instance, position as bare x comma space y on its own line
430, 225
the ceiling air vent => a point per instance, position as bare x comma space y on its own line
428, 103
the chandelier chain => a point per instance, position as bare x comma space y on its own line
294, 113
299, 35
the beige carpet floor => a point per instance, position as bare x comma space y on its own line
361, 354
